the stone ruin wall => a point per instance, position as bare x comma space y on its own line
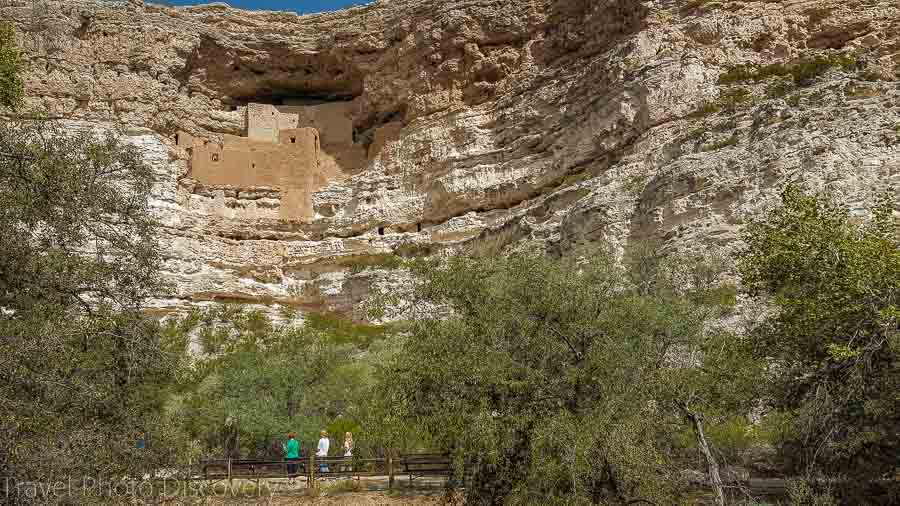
296, 149
242, 162
339, 154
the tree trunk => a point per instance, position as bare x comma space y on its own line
711, 463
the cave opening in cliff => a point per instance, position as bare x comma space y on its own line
365, 127
283, 97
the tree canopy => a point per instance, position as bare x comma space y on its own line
564, 380
269, 379
82, 373
833, 338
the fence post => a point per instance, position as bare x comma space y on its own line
390, 466
311, 472
229, 472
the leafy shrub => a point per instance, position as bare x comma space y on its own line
833, 342
11, 85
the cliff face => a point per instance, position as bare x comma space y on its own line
480, 123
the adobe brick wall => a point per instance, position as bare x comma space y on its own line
263, 122
296, 148
239, 161
333, 120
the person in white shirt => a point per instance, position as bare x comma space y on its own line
348, 452
348, 444
322, 451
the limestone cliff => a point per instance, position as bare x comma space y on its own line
496, 122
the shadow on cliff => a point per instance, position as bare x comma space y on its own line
583, 40
578, 29
267, 72
578, 43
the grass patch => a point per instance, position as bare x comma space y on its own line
802, 71
696, 133
729, 100
731, 141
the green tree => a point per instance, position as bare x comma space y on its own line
82, 372
11, 86
833, 338
555, 380
270, 379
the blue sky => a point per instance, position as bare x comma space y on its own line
302, 6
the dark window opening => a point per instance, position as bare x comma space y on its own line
289, 96
236, 68
380, 230
293, 140
176, 139
418, 227
253, 166
215, 157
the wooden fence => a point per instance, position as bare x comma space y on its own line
312, 468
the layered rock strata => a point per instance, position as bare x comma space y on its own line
475, 124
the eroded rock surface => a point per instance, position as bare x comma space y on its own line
479, 123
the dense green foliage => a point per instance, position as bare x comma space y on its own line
11, 86
553, 381
833, 339
81, 369
266, 380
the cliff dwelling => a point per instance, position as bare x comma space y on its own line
292, 147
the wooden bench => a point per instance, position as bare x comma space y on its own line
417, 465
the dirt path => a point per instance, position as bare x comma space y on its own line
341, 499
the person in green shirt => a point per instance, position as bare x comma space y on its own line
292, 454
